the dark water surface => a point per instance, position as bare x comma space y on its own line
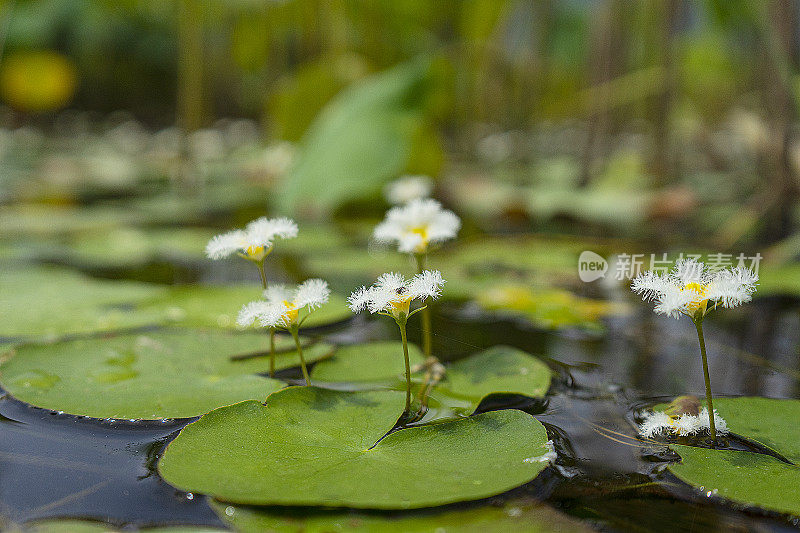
57, 465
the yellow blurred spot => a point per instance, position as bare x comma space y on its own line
700, 302
37, 81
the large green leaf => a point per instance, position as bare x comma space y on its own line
155, 375
500, 369
311, 446
54, 301
746, 477
515, 515
217, 306
360, 140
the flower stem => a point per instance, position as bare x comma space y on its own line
296, 336
272, 352
260, 265
427, 342
712, 429
402, 324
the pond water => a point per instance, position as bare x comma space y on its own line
58, 465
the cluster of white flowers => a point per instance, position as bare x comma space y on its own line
408, 188
392, 293
689, 287
254, 242
281, 305
660, 423
417, 225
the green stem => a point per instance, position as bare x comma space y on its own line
300, 353
402, 324
713, 430
427, 340
260, 265
272, 352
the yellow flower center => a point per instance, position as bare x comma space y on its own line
401, 306
291, 314
422, 231
700, 303
255, 253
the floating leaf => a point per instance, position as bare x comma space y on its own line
311, 446
217, 306
750, 478
500, 369
513, 516
54, 301
149, 376
131, 246
548, 308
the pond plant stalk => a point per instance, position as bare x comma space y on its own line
687, 290
709, 399
254, 243
391, 296
427, 341
280, 309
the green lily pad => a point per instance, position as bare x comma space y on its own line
548, 308
318, 447
132, 246
218, 306
148, 376
41, 220
745, 477
516, 515
53, 301
500, 369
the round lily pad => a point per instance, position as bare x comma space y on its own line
745, 477
500, 369
218, 306
514, 516
316, 447
56, 301
148, 376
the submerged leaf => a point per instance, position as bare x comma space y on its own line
311, 446
149, 376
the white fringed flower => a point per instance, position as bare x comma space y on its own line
417, 225
281, 305
254, 242
660, 423
392, 294
719, 422
408, 188
655, 424
690, 286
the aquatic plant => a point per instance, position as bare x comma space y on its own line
254, 243
391, 296
280, 309
416, 228
691, 289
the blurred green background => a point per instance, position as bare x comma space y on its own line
671, 121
